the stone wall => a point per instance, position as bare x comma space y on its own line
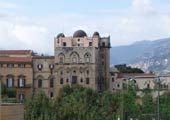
12, 111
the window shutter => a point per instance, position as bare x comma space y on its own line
12, 82
18, 83
24, 82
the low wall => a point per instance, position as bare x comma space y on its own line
12, 111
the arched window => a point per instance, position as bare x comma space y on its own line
74, 60
39, 66
87, 57
74, 57
61, 58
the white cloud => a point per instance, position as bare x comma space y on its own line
142, 20
7, 5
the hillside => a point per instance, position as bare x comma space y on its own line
148, 55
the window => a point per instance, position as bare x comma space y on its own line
148, 86
78, 40
21, 97
61, 81
113, 79
74, 79
67, 80
51, 83
61, 72
87, 81
1, 65
78, 44
40, 83
74, 73
10, 65
21, 82
51, 66
87, 57
51, 94
61, 59
118, 85
87, 72
21, 65
10, 82
74, 60
103, 44
90, 43
39, 66
102, 62
64, 44
81, 80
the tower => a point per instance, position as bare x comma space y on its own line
83, 60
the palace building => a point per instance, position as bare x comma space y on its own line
78, 59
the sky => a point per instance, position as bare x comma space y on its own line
33, 24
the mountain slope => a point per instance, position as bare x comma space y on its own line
148, 55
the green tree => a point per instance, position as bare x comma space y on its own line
123, 68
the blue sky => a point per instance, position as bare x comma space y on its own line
32, 24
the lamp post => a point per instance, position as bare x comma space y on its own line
158, 105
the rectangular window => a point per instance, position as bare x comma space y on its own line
39, 83
1, 65
90, 43
21, 97
64, 44
10, 82
103, 44
74, 79
51, 94
61, 81
21, 65
87, 81
10, 65
113, 79
51, 83
21, 82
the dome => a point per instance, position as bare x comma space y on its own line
96, 34
79, 33
60, 35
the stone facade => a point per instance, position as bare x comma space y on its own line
78, 59
82, 60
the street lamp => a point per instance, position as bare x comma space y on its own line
158, 105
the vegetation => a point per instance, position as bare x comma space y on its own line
127, 69
78, 103
8, 93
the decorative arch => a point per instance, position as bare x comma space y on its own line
61, 57
74, 57
87, 57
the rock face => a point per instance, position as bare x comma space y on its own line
150, 56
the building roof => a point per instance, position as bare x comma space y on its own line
16, 56
16, 59
79, 33
123, 75
15, 52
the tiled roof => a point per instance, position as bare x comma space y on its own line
16, 59
15, 52
122, 75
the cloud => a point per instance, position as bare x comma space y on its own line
141, 20
8, 5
